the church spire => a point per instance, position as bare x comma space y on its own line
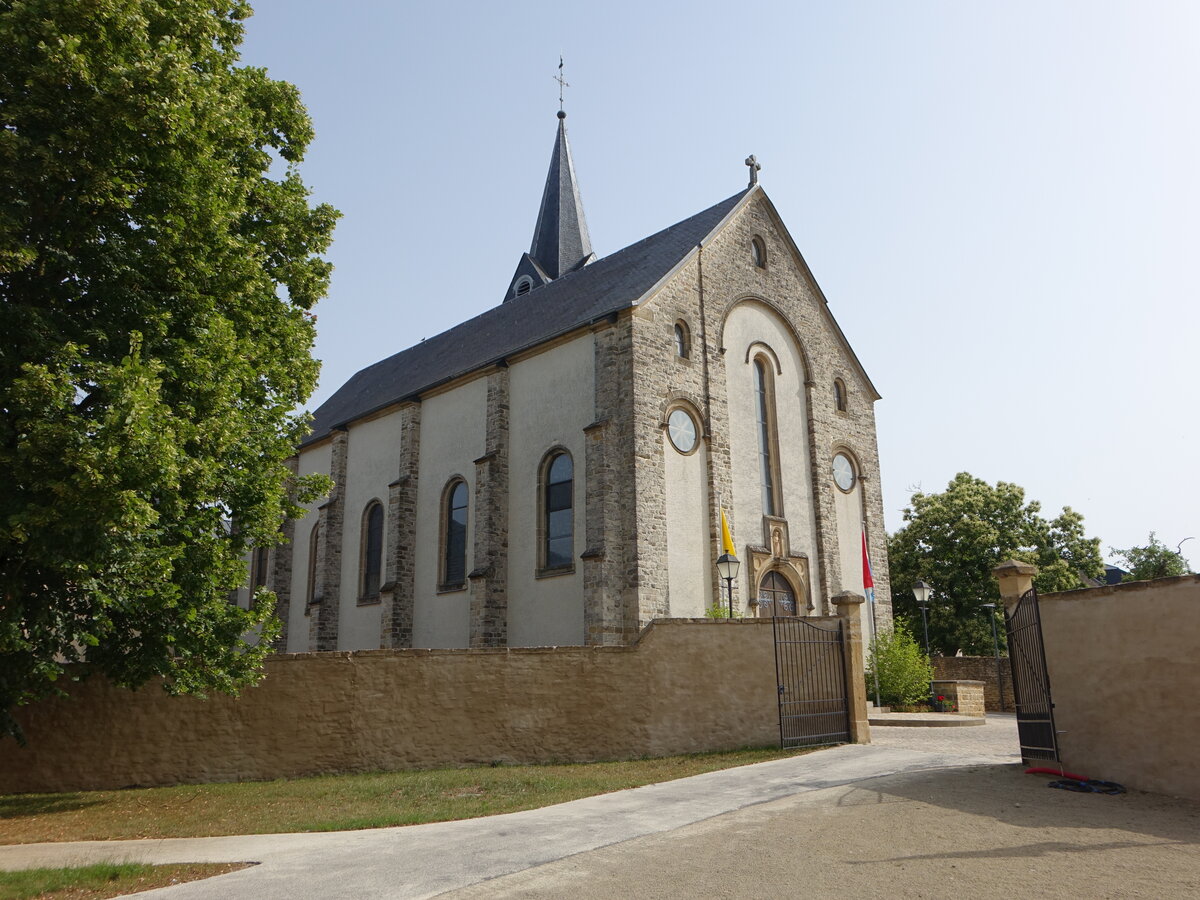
561, 243
560, 240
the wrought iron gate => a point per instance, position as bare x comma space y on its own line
810, 672
1031, 683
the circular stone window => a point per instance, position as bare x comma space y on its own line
682, 431
843, 472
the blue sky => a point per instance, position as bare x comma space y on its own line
1000, 201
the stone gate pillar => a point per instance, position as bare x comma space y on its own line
1015, 578
849, 609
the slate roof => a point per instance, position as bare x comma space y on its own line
560, 239
577, 298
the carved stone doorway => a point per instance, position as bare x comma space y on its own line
776, 596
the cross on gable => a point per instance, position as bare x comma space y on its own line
754, 167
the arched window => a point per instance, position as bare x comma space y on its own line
758, 251
523, 286
372, 551
558, 522
258, 568
775, 596
768, 456
683, 342
314, 543
454, 536
839, 395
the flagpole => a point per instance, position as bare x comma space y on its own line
868, 576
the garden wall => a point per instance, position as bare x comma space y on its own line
978, 668
686, 686
1124, 677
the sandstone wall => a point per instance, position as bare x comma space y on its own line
685, 686
978, 668
1124, 678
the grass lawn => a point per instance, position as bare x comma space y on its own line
336, 802
102, 880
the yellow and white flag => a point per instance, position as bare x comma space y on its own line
726, 537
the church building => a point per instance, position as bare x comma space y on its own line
552, 472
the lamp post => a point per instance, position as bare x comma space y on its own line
921, 590
991, 608
727, 568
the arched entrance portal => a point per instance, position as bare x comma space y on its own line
775, 596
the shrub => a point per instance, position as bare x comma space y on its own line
904, 671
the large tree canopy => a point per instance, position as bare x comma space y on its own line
954, 539
158, 258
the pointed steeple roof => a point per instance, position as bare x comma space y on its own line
561, 242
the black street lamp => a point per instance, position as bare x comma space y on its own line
727, 568
921, 590
991, 608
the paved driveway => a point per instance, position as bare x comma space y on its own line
921, 812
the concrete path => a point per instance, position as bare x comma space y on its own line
427, 860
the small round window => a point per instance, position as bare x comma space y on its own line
843, 472
681, 429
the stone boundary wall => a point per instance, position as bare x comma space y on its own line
966, 696
978, 668
1124, 678
687, 685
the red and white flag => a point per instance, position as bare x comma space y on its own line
868, 581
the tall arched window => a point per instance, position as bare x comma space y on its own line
372, 551
683, 342
839, 394
454, 536
758, 252
314, 543
764, 407
258, 568
559, 480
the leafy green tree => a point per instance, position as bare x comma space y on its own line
158, 258
903, 668
1155, 560
954, 539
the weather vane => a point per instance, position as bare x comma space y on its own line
562, 83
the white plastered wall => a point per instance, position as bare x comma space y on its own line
749, 323
372, 463
314, 460
848, 507
452, 438
551, 401
688, 577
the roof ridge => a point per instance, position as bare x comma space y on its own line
577, 298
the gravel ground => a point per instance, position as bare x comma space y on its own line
997, 738
980, 832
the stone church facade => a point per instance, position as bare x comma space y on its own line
550, 473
